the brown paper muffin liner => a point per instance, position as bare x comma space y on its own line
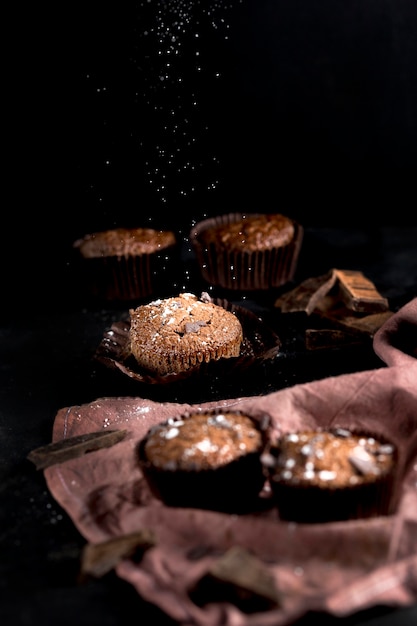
260, 343
129, 278
245, 271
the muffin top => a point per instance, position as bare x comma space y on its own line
202, 440
175, 334
251, 233
124, 242
330, 459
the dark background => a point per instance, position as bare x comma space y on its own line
159, 113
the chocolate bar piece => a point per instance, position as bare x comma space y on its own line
359, 293
306, 296
73, 447
100, 558
340, 316
325, 338
240, 578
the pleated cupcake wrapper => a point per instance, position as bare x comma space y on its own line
306, 504
129, 277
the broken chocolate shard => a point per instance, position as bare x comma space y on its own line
74, 447
325, 338
194, 327
362, 465
342, 318
99, 559
359, 293
240, 578
305, 297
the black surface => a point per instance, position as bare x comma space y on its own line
47, 364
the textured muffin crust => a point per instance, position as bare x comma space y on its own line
207, 459
251, 233
173, 335
124, 242
332, 459
334, 475
202, 441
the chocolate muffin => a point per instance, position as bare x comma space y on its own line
178, 334
205, 459
247, 251
127, 263
331, 475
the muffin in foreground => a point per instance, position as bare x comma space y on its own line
332, 475
127, 263
205, 459
247, 251
177, 334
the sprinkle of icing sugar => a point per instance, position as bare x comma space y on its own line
328, 458
205, 445
199, 442
219, 420
292, 437
174, 421
327, 475
141, 410
171, 433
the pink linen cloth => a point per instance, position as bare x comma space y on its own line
339, 567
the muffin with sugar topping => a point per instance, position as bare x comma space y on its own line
209, 459
178, 334
331, 475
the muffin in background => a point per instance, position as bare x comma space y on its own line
178, 334
207, 459
247, 251
332, 475
124, 264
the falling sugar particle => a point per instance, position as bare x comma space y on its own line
174, 68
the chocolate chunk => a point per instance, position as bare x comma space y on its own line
100, 558
74, 447
240, 578
194, 327
305, 297
363, 462
359, 293
317, 339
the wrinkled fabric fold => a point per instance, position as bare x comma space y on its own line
338, 567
